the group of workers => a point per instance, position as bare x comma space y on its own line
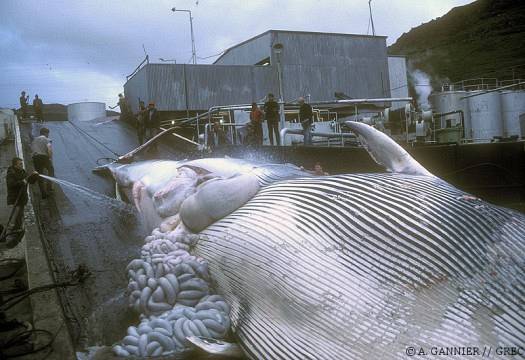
38, 107
270, 112
146, 120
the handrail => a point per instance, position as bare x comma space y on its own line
493, 90
208, 126
216, 108
287, 131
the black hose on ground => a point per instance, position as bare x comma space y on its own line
8, 262
78, 276
23, 341
4, 233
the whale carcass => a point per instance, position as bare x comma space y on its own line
351, 266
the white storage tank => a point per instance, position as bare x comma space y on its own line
485, 115
512, 106
449, 101
85, 111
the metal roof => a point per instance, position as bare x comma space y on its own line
295, 32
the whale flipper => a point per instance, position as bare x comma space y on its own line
216, 347
385, 151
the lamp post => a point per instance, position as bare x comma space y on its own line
278, 48
193, 51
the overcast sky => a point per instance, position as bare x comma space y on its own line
70, 51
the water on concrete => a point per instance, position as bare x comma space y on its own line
82, 224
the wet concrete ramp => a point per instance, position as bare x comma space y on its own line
79, 229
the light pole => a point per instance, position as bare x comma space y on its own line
193, 51
278, 48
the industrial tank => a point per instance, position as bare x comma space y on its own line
449, 101
512, 106
85, 111
485, 115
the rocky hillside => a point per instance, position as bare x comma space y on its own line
483, 39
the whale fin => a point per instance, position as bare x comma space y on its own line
385, 151
216, 347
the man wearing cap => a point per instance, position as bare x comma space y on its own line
271, 111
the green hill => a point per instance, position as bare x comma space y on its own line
483, 39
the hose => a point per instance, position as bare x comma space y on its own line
78, 276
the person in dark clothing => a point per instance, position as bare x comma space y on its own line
42, 155
218, 136
23, 104
141, 117
256, 135
151, 123
271, 111
17, 180
38, 107
306, 119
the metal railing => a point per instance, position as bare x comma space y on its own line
223, 112
480, 84
340, 136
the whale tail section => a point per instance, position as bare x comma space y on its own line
385, 151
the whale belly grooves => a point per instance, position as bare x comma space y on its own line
364, 265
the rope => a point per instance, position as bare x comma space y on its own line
94, 139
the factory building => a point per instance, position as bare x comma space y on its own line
310, 64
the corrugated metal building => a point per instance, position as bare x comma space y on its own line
314, 64
397, 69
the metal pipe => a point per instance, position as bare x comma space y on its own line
360, 101
185, 90
193, 51
207, 129
286, 131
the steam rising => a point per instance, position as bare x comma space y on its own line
422, 86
